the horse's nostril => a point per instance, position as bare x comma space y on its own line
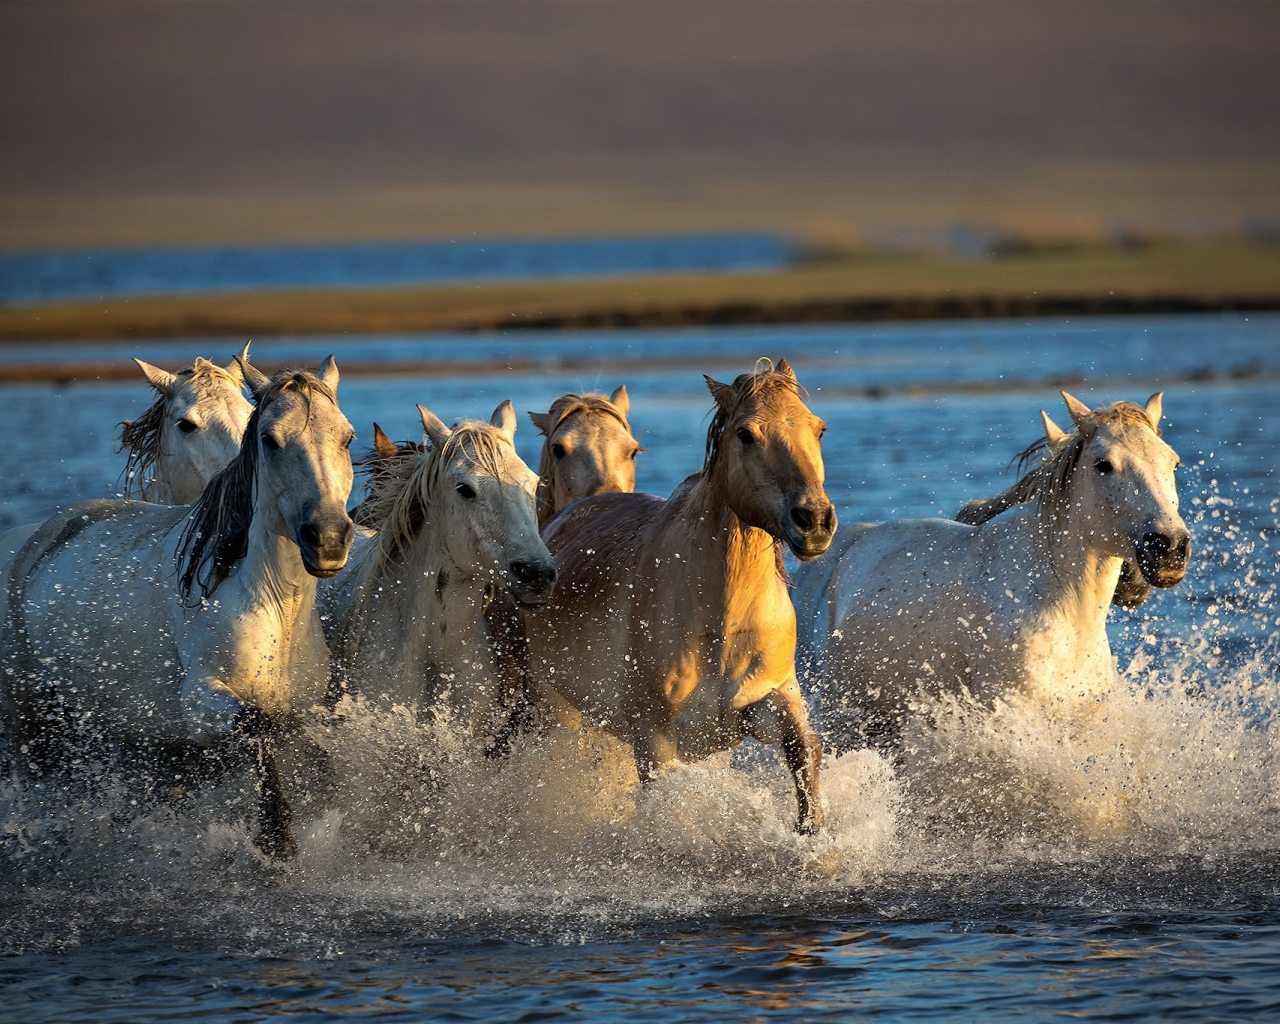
1183, 548
310, 535
534, 574
829, 519
1155, 544
802, 517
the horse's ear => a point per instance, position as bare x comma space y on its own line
504, 418
620, 400
785, 368
329, 373
1154, 407
541, 420
1051, 430
161, 380
255, 378
724, 394
233, 367
383, 446
433, 427
1079, 411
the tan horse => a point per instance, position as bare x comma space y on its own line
588, 449
671, 626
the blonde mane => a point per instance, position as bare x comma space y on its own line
1047, 483
140, 437
216, 535
403, 486
561, 409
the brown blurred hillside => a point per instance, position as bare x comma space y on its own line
137, 122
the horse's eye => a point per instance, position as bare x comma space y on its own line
746, 437
558, 451
635, 453
467, 491
186, 426
270, 443
348, 442
1104, 467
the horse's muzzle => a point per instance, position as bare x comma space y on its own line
325, 546
808, 531
533, 582
1163, 557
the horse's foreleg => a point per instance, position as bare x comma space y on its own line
275, 817
780, 719
652, 751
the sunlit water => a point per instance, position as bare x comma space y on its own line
1005, 868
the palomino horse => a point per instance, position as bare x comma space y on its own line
188, 434
588, 449
106, 640
671, 626
455, 527
909, 610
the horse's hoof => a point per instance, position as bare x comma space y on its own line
808, 826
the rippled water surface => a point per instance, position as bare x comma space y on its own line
1005, 869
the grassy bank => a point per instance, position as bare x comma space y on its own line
841, 286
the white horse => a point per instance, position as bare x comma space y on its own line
456, 528
904, 611
181, 442
139, 624
587, 449
188, 434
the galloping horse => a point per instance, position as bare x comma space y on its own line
588, 449
1016, 605
105, 639
671, 626
455, 528
188, 434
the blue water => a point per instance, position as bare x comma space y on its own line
83, 274
973, 883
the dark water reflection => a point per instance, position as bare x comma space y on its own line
1016, 908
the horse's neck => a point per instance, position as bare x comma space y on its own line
737, 562
1078, 576
273, 575
429, 611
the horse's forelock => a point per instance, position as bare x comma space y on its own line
759, 382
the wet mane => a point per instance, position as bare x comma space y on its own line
140, 437
216, 535
400, 488
762, 380
1048, 480
561, 409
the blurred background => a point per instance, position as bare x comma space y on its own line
757, 161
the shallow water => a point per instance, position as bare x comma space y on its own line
97, 273
1007, 869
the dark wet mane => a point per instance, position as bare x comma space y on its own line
217, 532
760, 381
1049, 479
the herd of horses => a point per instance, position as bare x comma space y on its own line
231, 593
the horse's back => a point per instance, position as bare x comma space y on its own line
595, 534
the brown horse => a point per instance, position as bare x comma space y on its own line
588, 449
671, 626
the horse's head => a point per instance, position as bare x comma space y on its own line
588, 449
481, 500
764, 449
303, 463
190, 434
1123, 481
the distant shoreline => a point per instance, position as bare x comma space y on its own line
1174, 277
